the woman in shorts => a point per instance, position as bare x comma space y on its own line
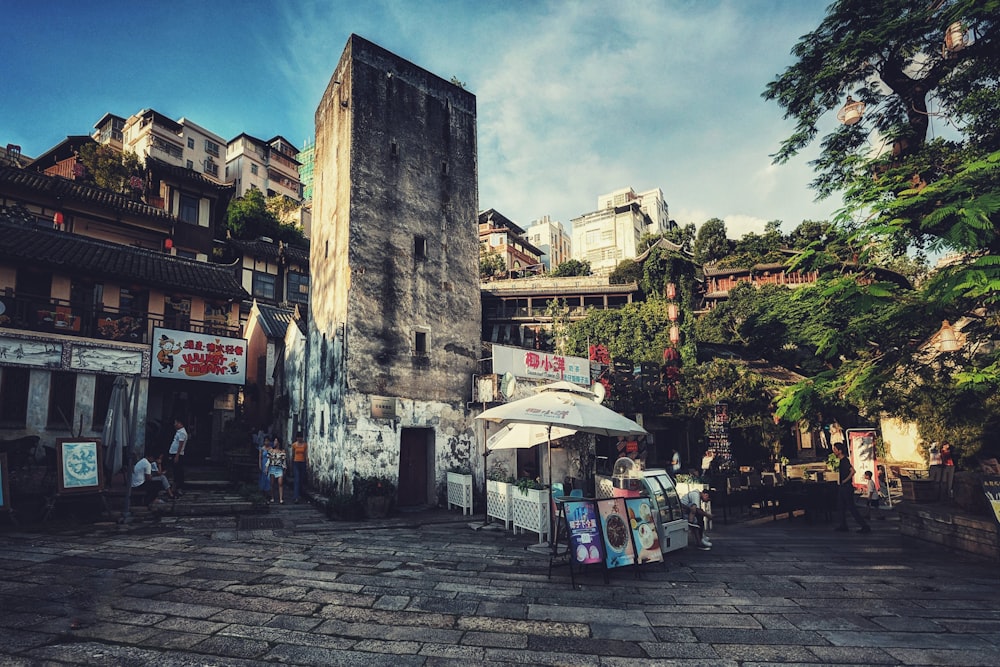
277, 461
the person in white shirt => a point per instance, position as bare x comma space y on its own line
691, 502
142, 481
177, 455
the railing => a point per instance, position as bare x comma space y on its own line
99, 321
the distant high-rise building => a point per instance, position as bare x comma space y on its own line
307, 158
550, 237
650, 202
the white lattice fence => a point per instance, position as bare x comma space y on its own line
498, 501
460, 491
531, 511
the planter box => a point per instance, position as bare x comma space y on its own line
531, 511
499, 496
460, 492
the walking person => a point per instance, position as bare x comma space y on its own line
845, 492
277, 461
177, 447
871, 493
947, 471
264, 473
300, 455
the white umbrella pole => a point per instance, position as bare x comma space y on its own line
552, 540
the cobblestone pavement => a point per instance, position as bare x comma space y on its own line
427, 589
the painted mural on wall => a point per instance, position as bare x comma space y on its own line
30, 353
106, 360
183, 355
538, 365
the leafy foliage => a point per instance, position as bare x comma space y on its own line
110, 169
491, 264
248, 217
711, 244
572, 267
905, 190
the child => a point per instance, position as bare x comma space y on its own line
871, 493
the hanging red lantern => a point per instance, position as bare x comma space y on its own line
671, 392
672, 311
670, 355
671, 291
675, 334
58, 218
168, 244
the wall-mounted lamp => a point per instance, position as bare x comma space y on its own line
947, 340
58, 219
851, 112
956, 38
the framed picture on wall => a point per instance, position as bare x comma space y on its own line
4, 484
78, 462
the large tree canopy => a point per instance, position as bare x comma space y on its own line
920, 169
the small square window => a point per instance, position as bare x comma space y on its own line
253, 169
419, 247
420, 343
190, 164
190, 142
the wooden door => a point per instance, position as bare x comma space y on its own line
413, 466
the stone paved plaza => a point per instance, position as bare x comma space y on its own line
428, 589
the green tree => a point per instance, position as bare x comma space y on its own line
904, 186
627, 271
110, 169
491, 264
572, 267
249, 217
711, 244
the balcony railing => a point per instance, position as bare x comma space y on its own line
99, 321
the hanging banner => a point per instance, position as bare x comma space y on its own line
584, 534
522, 363
861, 450
619, 551
182, 355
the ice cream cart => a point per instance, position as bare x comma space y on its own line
629, 480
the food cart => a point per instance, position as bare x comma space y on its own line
629, 480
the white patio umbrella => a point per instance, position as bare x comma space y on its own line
562, 405
523, 436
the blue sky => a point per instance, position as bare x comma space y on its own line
574, 99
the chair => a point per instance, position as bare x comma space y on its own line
576, 493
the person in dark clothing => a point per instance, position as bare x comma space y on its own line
845, 492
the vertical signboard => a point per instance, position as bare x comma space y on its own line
584, 535
991, 487
642, 521
619, 551
861, 449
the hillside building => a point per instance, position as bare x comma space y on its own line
552, 239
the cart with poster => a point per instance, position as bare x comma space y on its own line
628, 480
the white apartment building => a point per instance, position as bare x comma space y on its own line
180, 143
606, 237
651, 203
270, 166
552, 238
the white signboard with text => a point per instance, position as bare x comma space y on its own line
538, 365
182, 355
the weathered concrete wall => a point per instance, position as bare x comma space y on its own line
394, 254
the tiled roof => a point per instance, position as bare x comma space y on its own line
75, 254
270, 250
67, 190
185, 174
274, 320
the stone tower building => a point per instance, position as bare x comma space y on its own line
395, 308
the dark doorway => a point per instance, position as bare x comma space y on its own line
414, 454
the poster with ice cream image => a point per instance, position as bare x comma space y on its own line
643, 525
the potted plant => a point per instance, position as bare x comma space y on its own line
460, 488
374, 494
498, 493
530, 507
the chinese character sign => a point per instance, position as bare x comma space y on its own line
540, 365
183, 355
584, 536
